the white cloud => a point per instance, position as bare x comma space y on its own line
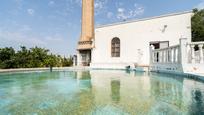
123, 13
100, 6
121, 10
31, 11
51, 3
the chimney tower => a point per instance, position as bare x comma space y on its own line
87, 25
85, 43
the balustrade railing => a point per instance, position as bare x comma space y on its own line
185, 52
166, 55
195, 52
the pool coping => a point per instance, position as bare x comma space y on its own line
187, 75
42, 69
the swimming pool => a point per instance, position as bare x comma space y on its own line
99, 92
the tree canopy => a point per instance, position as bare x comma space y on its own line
197, 22
30, 58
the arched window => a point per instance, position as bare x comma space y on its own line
115, 47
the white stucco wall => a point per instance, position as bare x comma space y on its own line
135, 37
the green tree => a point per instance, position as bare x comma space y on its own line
38, 56
67, 61
30, 58
23, 58
198, 25
51, 61
7, 56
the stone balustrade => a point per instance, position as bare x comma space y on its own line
165, 55
182, 58
190, 53
195, 52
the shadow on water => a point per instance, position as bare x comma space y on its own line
85, 97
115, 90
84, 79
197, 105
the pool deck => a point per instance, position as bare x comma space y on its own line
43, 69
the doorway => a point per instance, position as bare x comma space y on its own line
159, 44
85, 57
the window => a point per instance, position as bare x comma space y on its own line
115, 47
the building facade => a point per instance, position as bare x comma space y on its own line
127, 44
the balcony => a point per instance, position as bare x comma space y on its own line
84, 45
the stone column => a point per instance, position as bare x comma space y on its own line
172, 55
174, 50
79, 59
75, 60
151, 48
179, 55
201, 52
164, 58
192, 53
183, 51
169, 55
160, 56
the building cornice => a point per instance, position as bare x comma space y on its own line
143, 19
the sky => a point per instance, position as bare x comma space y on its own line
56, 24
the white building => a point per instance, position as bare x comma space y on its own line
127, 43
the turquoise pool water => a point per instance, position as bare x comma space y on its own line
99, 92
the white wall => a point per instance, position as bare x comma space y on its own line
135, 37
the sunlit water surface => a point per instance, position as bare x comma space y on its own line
99, 92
